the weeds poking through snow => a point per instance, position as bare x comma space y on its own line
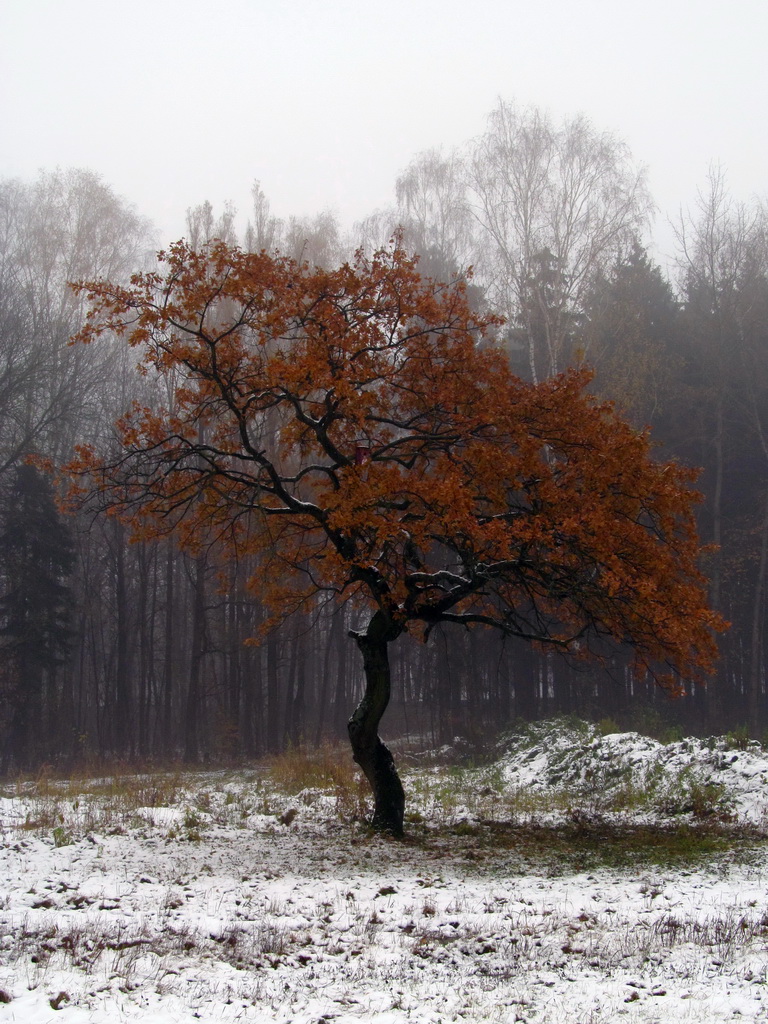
607, 894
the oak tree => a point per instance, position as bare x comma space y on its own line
359, 430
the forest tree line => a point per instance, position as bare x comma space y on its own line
121, 648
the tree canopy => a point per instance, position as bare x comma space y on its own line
360, 429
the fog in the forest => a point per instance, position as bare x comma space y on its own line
603, 178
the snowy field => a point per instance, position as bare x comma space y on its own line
578, 879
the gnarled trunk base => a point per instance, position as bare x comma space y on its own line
378, 766
368, 751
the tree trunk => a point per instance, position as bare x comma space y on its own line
198, 642
121, 723
368, 751
322, 700
273, 695
341, 649
168, 653
756, 645
716, 698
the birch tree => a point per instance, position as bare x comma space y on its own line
555, 203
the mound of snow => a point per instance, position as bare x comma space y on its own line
576, 757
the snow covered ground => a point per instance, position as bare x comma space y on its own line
578, 879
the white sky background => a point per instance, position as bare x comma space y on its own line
178, 101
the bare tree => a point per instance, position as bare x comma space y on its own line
554, 203
61, 227
265, 230
314, 240
433, 211
203, 226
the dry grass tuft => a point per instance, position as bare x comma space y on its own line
328, 767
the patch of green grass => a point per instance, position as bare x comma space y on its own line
738, 738
608, 726
62, 836
585, 844
688, 793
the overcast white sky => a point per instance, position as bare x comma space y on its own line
325, 101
